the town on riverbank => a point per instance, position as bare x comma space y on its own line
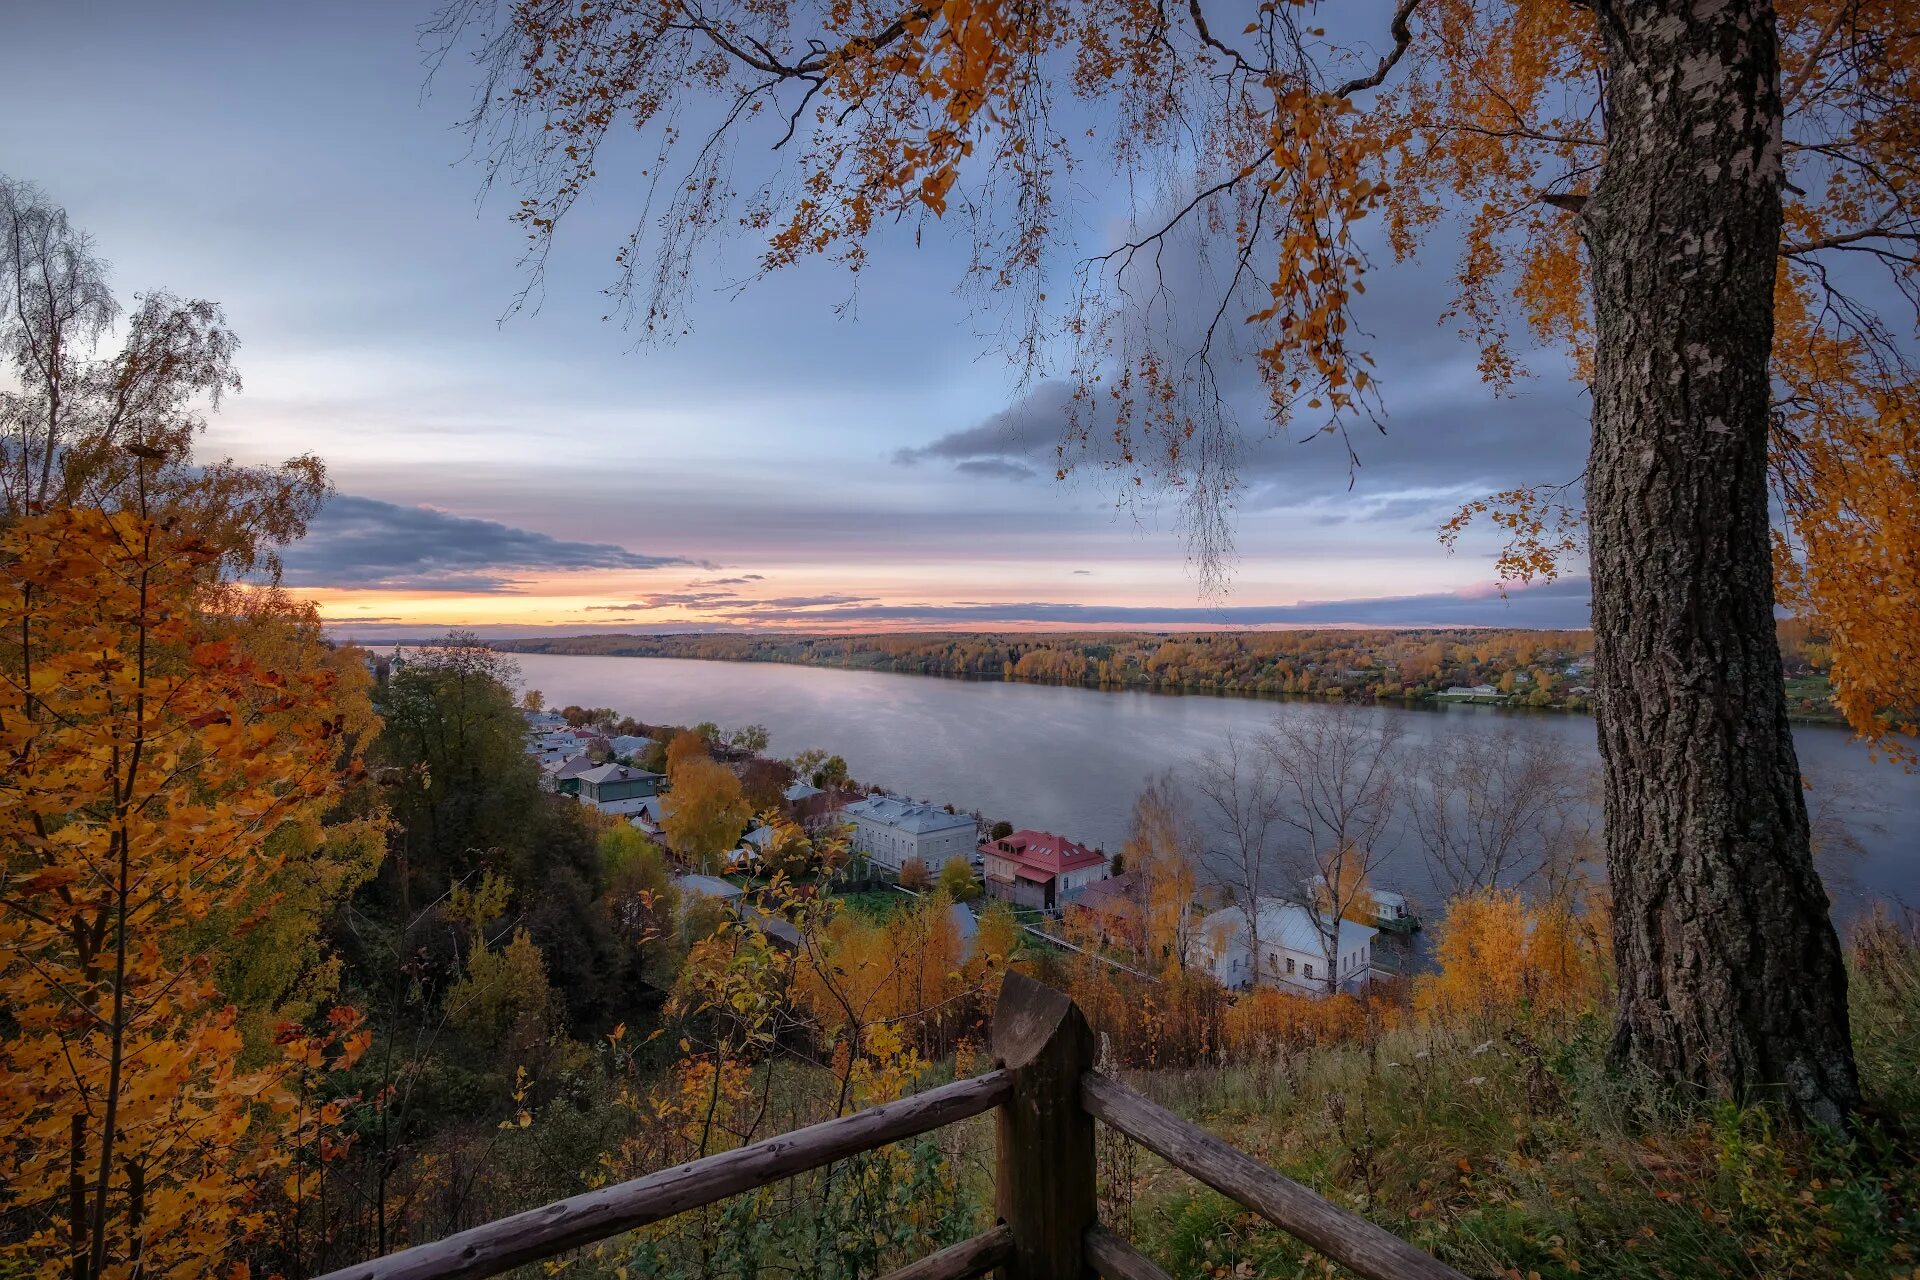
1301, 938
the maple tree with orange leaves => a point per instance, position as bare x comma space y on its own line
1674, 193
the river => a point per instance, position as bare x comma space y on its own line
1071, 760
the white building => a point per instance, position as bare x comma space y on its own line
890, 831
1293, 952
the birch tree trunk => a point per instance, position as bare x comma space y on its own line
1730, 971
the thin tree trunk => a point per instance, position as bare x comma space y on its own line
1730, 971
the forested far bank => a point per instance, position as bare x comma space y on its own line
1541, 669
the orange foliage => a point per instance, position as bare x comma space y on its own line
1498, 955
911, 971
150, 758
1266, 1018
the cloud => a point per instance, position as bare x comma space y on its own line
1561, 605
1032, 425
729, 582
1083, 573
669, 600
995, 469
364, 542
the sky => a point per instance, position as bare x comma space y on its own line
809, 456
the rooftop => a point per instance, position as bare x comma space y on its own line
571, 767
1286, 924
907, 815
709, 886
617, 773
1044, 853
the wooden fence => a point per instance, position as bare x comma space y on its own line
1046, 1097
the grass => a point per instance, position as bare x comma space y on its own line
1510, 1149
876, 904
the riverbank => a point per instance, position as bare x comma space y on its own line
1072, 760
1530, 670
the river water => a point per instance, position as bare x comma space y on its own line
1071, 760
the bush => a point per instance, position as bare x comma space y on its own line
957, 881
915, 876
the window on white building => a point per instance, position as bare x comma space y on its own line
1290, 964
1309, 971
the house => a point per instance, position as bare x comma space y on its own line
647, 816
1293, 951
965, 927
811, 806
630, 746
709, 887
1391, 911
562, 775
619, 788
1477, 691
1112, 907
1040, 869
544, 721
889, 831
563, 743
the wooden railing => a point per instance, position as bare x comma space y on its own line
1046, 1097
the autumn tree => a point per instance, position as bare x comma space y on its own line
705, 813
1162, 851
1707, 205
152, 762
683, 747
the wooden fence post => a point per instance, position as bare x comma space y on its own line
1046, 1192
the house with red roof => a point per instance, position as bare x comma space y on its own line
1040, 869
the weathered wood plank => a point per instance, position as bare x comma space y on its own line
567, 1224
1044, 1136
1115, 1259
1347, 1238
971, 1257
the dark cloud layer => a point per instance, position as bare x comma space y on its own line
364, 542
1563, 604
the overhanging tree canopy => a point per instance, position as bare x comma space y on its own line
1710, 205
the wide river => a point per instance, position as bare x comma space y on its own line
1071, 760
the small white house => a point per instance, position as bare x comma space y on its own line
1292, 951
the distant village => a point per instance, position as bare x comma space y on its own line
1043, 877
